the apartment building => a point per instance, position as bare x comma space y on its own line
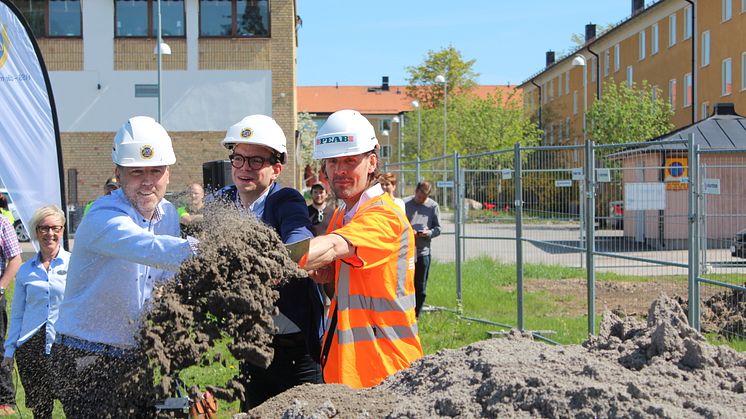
222, 60
693, 51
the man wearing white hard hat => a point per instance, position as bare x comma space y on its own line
127, 243
368, 254
258, 152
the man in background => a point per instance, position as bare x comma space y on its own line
424, 215
111, 185
320, 211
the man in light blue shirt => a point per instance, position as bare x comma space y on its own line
128, 242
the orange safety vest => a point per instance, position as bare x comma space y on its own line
376, 331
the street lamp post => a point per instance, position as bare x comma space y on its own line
385, 133
397, 121
160, 49
579, 61
416, 105
442, 79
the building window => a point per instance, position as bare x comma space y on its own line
743, 6
654, 94
705, 48
551, 134
743, 71
234, 18
705, 111
607, 57
567, 129
727, 9
384, 125
687, 89
386, 152
551, 89
672, 93
559, 85
630, 74
641, 45
617, 59
567, 80
672, 30
654, 39
574, 102
727, 77
56, 18
593, 69
687, 22
139, 18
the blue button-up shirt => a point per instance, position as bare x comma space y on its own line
119, 256
36, 301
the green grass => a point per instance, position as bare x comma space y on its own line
488, 293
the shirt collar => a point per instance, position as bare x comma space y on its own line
369, 194
256, 207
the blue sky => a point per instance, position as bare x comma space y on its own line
355, 42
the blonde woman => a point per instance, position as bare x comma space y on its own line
40, 285
388, 183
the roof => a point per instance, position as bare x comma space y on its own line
718, 132
371, 100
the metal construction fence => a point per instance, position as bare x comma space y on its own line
666, 210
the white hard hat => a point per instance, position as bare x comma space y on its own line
345, 133
257, 129
141, 141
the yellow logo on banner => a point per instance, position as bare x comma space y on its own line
4, 46
677, 173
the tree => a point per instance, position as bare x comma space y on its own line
306, 134
627, 114
447, 62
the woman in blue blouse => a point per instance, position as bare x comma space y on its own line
40, 285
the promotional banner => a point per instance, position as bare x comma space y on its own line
30, 152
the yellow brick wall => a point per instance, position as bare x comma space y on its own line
137, 54
234, 53
62, 54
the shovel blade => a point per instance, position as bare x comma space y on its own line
298, 249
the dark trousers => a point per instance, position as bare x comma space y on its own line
421, 271
35, 369
292, 365
93, 384
7, 392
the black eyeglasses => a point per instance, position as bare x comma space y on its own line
255, 162
47, 229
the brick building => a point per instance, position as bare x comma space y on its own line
655, 44
228, 59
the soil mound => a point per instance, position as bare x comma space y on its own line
657, 368
228, 290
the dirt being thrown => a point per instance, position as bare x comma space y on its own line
228, 290
657, 368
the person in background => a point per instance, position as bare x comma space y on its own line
258, 152
369, 255
191, 214
127, 244
321, 209
424, 214
5, 210
10, 261
40, 286
388, 183
111, 185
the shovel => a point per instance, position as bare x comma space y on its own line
298, 249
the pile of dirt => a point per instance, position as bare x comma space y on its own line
227, 290
725, 313
657, 368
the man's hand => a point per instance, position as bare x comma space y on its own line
323, 275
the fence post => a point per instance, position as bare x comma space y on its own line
518, 209
693, 153
590, 241
457, 227
417, 170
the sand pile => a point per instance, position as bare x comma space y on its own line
227, 290
658, 368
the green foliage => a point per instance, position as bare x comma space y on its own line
307, 132
627, 114
459, 76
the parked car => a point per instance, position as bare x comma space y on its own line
21, 233
615, 216
738, 248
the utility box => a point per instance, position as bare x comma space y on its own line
216, 174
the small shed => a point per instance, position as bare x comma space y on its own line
722, 168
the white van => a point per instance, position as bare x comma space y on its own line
18, 225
